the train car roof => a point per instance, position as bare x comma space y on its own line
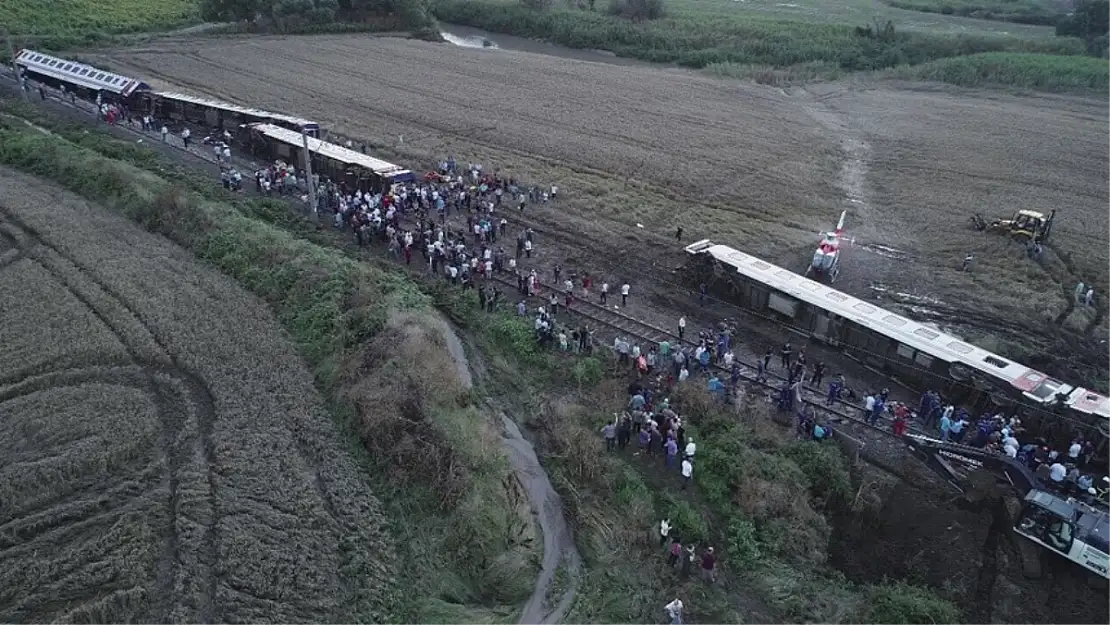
933, 342
335, 152
78, 73
235, 108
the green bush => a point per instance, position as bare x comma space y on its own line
686, 522
587, 371
825, 469
1031, 71
743, 543
905, 603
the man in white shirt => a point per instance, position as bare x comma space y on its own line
604, 291
691, 448
674, 610
869, 403
1074, 451
185, 134
1057, 472
687, 473
681, 327
624, 294
664, 531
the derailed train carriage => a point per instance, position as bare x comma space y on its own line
920, 356
210, 113
83, 81
90, 83
335, 162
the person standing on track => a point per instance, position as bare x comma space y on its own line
681, 327
604, 292
624, 294
785, 354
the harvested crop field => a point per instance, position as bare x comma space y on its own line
164, 454
759, 168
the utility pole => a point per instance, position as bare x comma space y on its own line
308, 176
15, 68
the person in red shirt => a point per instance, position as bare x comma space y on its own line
901, 420
709, 566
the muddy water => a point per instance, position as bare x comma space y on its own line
467, 37
547, 603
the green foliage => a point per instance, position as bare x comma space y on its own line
1090, 18
307, 16
825, 469
743, 542
686, 522
76, 19
904, 603
696, 41
637, 9
1029, 71
587, 371
1017, 11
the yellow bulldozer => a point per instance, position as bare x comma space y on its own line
1025, 225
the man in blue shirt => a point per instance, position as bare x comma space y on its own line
945, 427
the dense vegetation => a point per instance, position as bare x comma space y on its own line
89, 22
1043, 72
761, 497
317, 15
1018, 11
687, 40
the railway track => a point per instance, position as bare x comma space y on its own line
614, 321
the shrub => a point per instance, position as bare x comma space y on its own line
743, 542
905, 603
686, 522
637, 10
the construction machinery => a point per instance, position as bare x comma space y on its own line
1073, 525
1026, 225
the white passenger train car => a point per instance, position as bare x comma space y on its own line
889, 341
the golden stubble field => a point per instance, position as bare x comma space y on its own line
760, 168
164, 456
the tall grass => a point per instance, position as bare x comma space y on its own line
1044, 72
1017, 11
695, 41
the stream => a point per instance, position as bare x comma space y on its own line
548, 603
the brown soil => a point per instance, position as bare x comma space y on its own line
754, 167
163, 453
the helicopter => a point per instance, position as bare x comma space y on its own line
826, 258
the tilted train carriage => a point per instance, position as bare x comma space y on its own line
920, 356
84, 81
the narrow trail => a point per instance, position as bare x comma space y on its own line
548, 604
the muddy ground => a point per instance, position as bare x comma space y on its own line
759, 168
847, 144
927, 536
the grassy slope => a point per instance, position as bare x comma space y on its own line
465, 549
776, 549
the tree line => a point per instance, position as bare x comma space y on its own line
402, 13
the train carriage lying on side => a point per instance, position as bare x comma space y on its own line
358, 170
917, 354
84, 81
183, 107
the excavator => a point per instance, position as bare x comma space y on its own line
1075, 526
1024, 225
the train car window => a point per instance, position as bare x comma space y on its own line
957, 346
100, 76
836, 296
923, 359
67, 68
760, 265
84, 72
998, 362
894, 320
905, 351
866, 309
926, 333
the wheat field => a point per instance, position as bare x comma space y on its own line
165, 455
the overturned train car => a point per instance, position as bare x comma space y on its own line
915, 354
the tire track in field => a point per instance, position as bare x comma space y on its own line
173, 424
